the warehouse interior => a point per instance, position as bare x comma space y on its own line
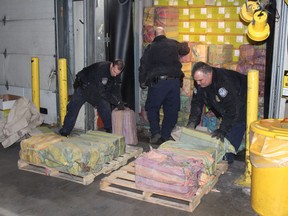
82, 32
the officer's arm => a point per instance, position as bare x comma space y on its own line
197, 104
143, 66
183, 48
116, 89
231, 110
106, 94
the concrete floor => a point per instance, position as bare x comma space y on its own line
29, 194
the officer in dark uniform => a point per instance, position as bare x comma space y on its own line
160, 70
225, 92
98, 84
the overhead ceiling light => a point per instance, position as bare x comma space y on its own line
258, 29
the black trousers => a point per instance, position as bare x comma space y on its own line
76, 102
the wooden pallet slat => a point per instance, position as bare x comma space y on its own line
131, 152
122, 182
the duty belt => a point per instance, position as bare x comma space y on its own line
167, 78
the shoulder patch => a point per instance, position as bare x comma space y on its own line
222, 92
195, 91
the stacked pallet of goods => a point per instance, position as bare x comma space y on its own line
254, 57
79, 155
216, 35
177, 174
180, 168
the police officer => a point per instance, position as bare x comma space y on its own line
225, 92
160, 70
98, 84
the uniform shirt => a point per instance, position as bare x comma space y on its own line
99, 84
226, 96
161, 58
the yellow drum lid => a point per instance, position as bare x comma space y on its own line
276, 128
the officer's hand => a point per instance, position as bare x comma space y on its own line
219, 134
191, 125
120, 105
143, 85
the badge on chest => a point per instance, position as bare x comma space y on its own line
104, 80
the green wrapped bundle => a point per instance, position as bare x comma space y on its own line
116, 140
203, 140
74, 158
106, 150
32, 148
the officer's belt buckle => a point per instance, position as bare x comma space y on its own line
166, 78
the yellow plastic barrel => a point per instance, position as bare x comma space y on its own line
269, 159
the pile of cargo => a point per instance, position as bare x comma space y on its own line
215, 35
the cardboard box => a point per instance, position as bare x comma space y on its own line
7, 101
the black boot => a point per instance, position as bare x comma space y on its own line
62, 132
108, 130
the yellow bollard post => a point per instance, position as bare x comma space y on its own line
63, 90
252, 115
35, 82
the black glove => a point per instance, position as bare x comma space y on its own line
219, 134
191, 125
120, 105
77, 83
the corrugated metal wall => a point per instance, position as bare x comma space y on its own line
27, 29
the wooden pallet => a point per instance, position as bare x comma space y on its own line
131, 152
122, 182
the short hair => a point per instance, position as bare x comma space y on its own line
201, 66
119, 63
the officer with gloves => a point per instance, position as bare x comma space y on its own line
160, 71
98, 84
225, 93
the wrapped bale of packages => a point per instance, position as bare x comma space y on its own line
220, 54
124, 123
148, 33
186, 68
188, 86
182, 118
148, 16
115, 140
199, 52
210, 121
172, 32
33, 147
231, 66
77, 155
166, 16
75, 158
170, 174
203, 141
247, 52
243, 67
205, 154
